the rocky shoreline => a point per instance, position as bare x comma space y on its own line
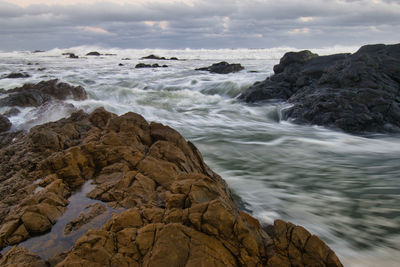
355, 93
176, 210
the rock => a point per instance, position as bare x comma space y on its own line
38, 51
84, 218
70, 55
40, 93
12, 112
143, 65
295, 246
5, 124
159, 58
223, 68
120, 64
94, 53
16, 75
174, 210
355, 93
126, 58
21, 257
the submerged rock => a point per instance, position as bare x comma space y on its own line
178, 212
34, 95
85, 218
353, 92
223, 68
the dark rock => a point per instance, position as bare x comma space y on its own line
12, 112
126, 58
94, 53
355, 93
41, 69
223, 68
38, 51
5, 124
37, 94
159, 58
143, 65
70, 55
16, 75
120, 64
108, 54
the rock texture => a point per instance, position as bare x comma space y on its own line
356, 93
85, 218
223, 68
178, 212
34, 95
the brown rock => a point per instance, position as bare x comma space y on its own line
5, 124
84, 218
35, 223
21, 257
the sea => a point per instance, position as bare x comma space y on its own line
341, 187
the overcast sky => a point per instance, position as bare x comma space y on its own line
46, 24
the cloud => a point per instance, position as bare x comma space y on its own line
197, 23
95, 30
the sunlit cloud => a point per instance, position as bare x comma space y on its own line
299, 31
163, 25
305, 19
95, 30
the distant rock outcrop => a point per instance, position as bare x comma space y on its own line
223, 68
159, 58
356, 93
143, 65
94, 53
178, 212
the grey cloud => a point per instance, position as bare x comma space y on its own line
252, 23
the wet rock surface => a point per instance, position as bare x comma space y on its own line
223, 68
178, 212
355, 93
84, 218
34, 95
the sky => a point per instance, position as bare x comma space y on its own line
179, 24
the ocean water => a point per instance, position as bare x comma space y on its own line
342, 187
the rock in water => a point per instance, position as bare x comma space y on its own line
38, 94
223, 68
17, 75
356, 93
178, 212
94, 53
5, 124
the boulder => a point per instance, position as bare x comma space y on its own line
70, 55
5, 124
355, 93
173, 209
222, 68
38, 94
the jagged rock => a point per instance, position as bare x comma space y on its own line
16, 75
143, 65
223, 68
5, 124
177, 211
40, 93
84, 218
355, 93
94, 53
12, 112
